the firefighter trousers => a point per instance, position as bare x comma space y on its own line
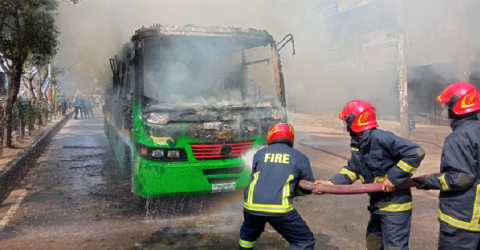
291, 226
458, 239
389, 231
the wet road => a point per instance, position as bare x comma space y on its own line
342, 219
74, 198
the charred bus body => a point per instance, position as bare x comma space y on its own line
187, 103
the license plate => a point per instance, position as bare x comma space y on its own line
225, 187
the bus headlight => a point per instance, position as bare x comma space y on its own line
173, 154
276, 114
155, 118
158, 153
161, 154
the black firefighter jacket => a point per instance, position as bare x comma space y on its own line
379, 154
459, 180
276, 171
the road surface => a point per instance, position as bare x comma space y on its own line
74, 198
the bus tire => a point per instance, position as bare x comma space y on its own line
127, 162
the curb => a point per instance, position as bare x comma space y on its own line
21, 165
419, 134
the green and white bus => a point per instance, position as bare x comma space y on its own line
187, 103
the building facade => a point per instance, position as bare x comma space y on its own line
380, 50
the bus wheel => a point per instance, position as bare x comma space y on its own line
127, 164
141, 201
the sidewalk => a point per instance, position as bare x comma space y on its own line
21, 144
315, 123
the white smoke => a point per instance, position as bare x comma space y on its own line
248, 158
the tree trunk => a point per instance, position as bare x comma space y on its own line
39, 98
39, 89
1, 129
54, 101
13, 88
31, 94
22, 129
43, 79
31, 109
33, 115
21, 123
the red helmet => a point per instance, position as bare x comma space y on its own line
281, 133
359, 115
461, 98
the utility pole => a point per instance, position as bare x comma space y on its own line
463, 64
402, 72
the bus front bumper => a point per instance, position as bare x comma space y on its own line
153, 179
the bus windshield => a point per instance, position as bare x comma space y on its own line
192, 71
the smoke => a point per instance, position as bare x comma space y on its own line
248, 158
346, 49
95, 30
198, 71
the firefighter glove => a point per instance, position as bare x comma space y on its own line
421, 183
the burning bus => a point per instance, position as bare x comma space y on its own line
187, 103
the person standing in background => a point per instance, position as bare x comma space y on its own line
86, 110
82, 107
63, 106
97, 101
77, 105
89, 106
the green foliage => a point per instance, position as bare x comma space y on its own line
58, 69
29, 113
43, 108
27, 30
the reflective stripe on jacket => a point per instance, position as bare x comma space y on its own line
276, 171
379, 154
459, 180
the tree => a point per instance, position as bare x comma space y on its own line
30, 73
27, 30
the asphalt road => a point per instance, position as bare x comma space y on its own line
74, 198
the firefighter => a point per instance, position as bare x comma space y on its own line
380, 156
276, 171
459, 180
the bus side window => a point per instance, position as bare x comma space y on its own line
128, 87
130, 82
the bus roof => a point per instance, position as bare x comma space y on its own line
208, 31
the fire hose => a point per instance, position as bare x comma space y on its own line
356, 189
